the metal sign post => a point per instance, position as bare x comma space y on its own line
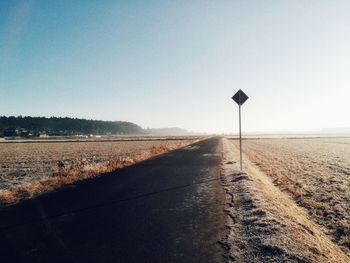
240, 97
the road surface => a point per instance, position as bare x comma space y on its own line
167, 209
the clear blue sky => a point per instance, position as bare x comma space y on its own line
177, 63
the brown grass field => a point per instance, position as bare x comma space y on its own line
315, 172
31, 168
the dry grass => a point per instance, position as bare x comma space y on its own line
29, 169
265, 224
315, 172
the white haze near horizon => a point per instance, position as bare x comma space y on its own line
167, 64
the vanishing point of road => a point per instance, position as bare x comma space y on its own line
166, 209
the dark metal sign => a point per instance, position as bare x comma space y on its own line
240, 97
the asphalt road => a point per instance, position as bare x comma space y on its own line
167, 209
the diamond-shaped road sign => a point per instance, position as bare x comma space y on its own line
240, 97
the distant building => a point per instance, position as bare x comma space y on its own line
11, 132
43, 135
23, 132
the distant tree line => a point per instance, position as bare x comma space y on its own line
34, 126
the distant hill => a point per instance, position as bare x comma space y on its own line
167, 131
33, 126
342, 130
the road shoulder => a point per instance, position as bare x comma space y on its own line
264, 224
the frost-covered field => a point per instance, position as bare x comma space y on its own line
27, 168
315, 172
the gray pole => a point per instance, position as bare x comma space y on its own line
240, 138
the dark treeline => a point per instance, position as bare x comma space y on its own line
33, 126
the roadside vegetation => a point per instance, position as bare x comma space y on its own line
315, 172
265, 224
29, 169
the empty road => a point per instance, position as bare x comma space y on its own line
166, 209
